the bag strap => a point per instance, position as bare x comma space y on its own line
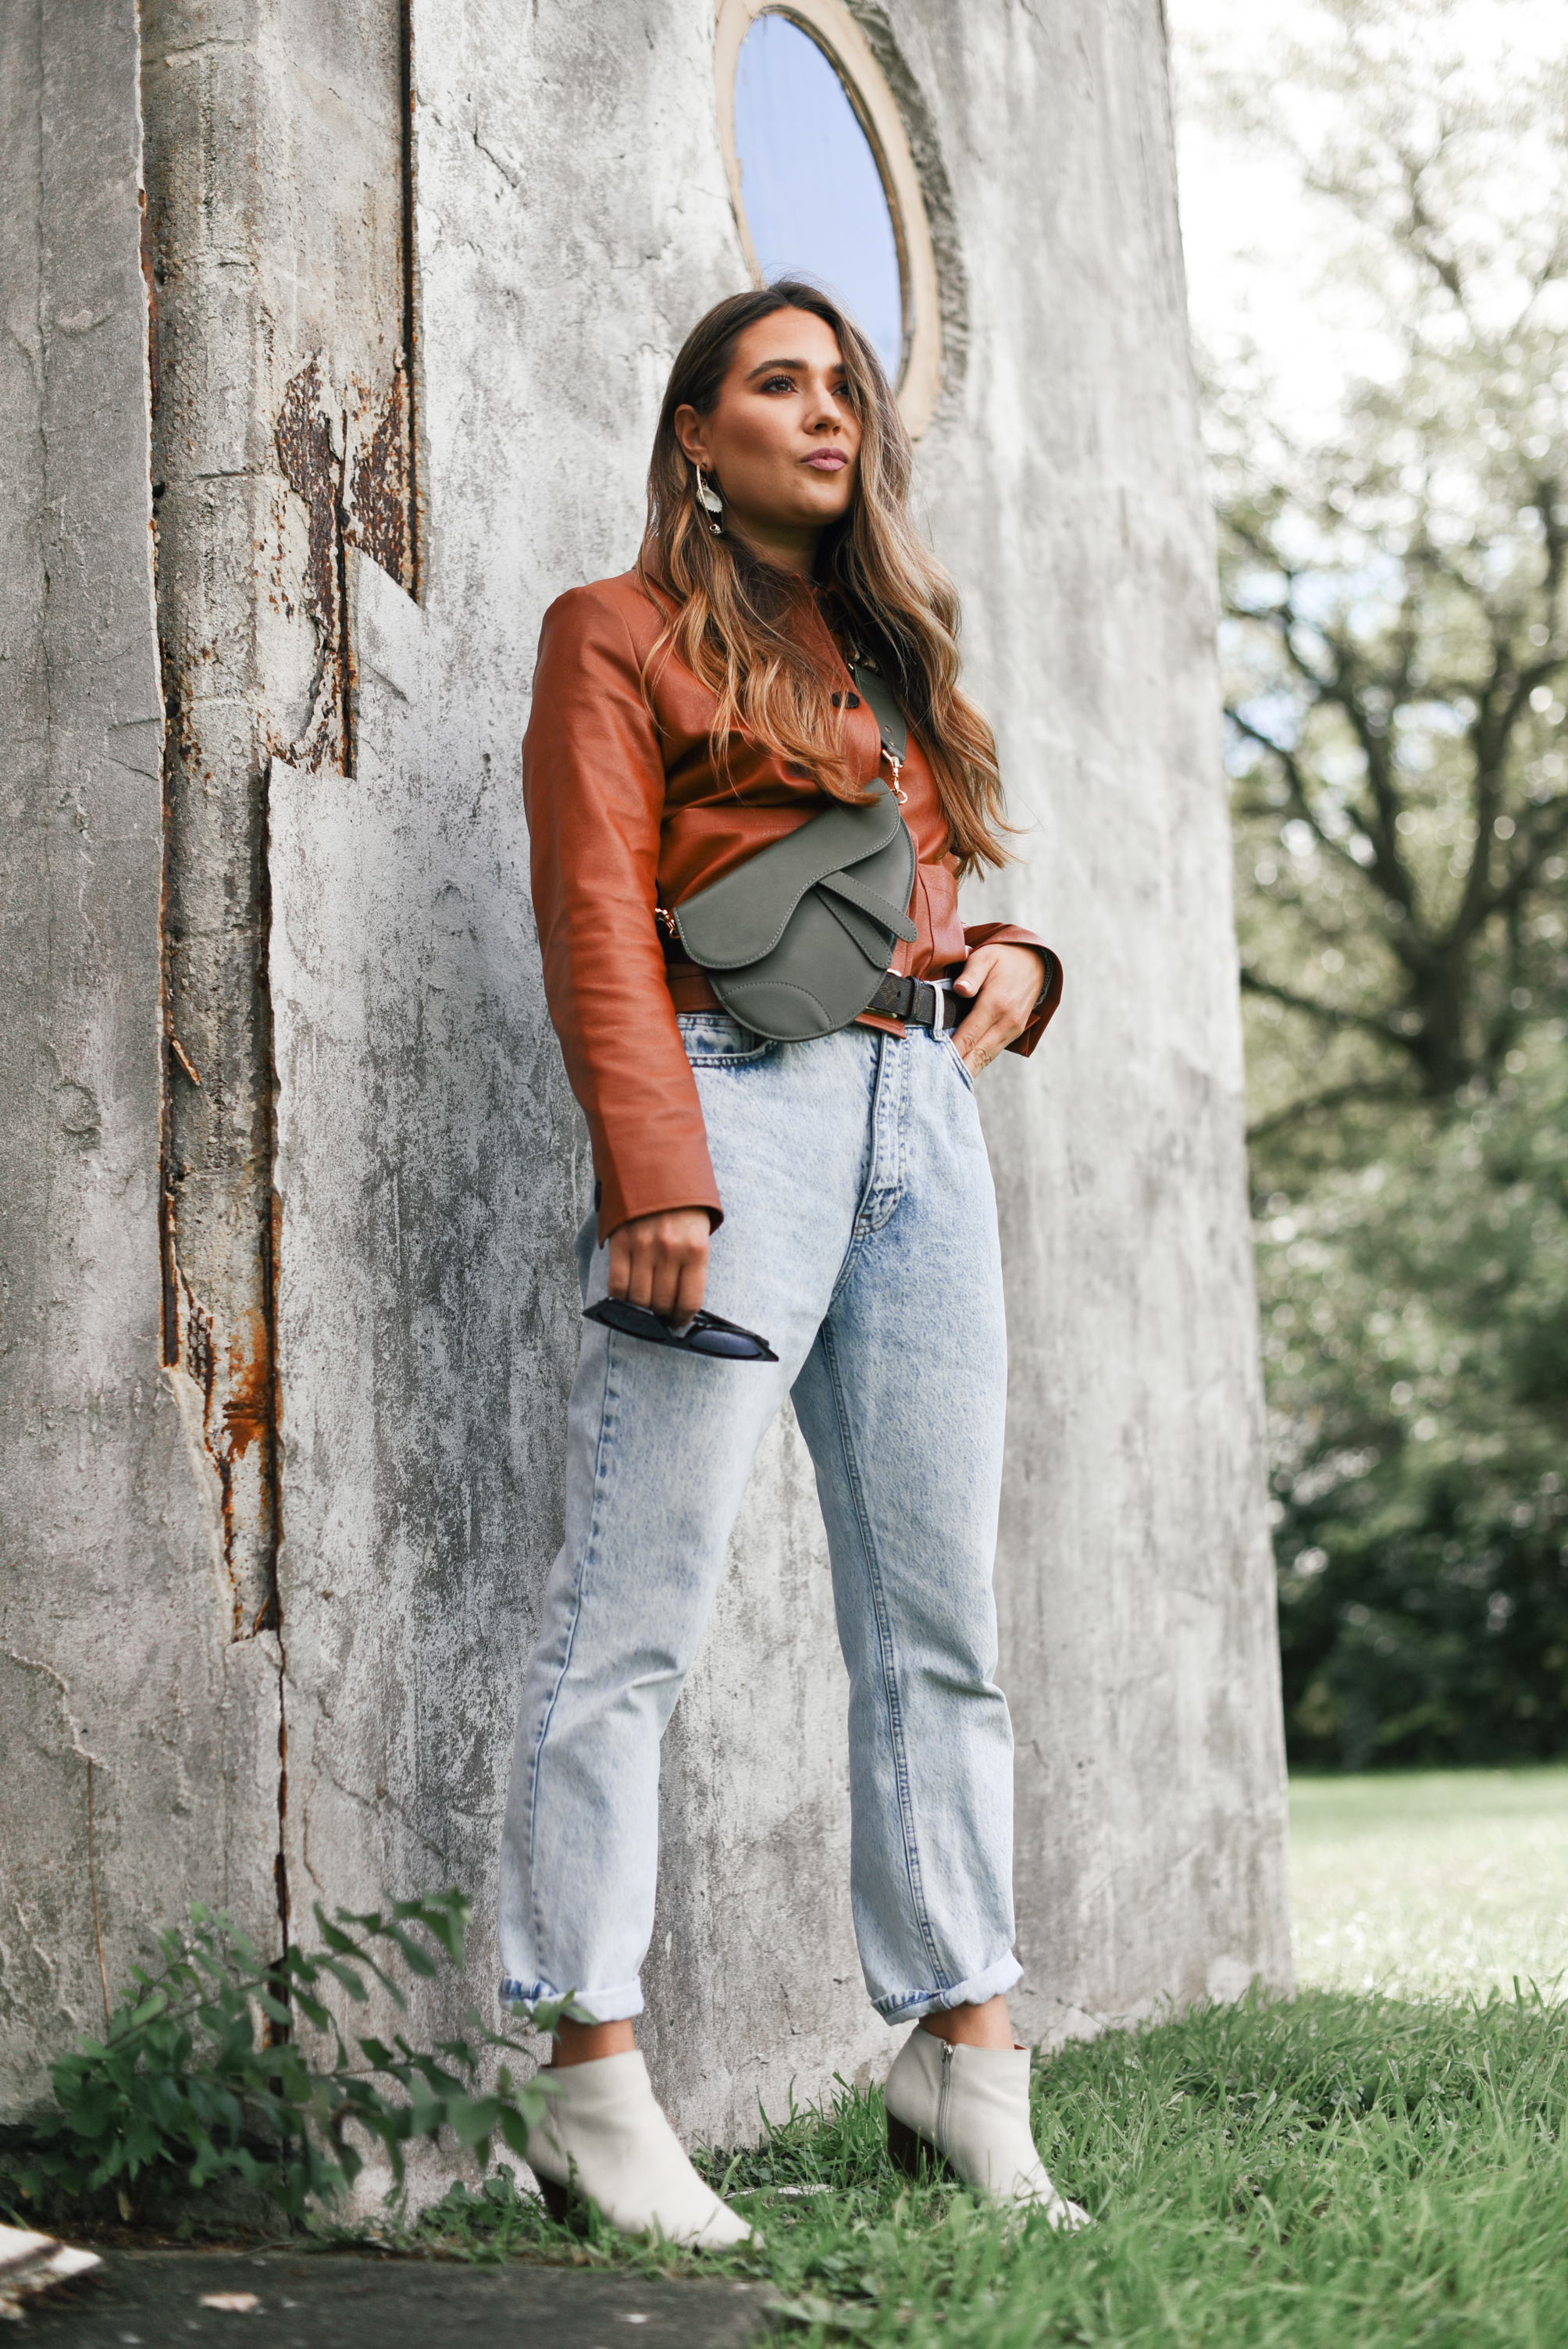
882, 910
891, 725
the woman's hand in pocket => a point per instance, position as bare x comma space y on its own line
1004, 983
661, 1261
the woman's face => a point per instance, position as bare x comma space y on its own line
781, 441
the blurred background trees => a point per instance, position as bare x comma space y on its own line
1394, 575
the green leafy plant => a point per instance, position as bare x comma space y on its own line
200, 2073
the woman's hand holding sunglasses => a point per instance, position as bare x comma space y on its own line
658, 1271
660, 1261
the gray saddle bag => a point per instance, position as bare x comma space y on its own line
796, 940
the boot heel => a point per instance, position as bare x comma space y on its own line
908, 2151
557, 2199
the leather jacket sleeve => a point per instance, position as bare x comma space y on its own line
593, 789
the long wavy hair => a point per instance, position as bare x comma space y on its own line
730, 611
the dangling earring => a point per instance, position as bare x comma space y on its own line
711, 502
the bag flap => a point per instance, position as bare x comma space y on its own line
870, 940
742, 917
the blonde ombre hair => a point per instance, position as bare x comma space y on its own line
731, 620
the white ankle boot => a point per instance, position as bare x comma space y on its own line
604, 2137
970, 2105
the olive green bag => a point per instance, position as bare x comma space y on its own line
796, 940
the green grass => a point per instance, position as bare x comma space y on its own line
1348, 2170
1445, 1883
1338, 2169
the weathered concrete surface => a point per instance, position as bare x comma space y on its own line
276, 206
1065, 485
571, 219
419, 1082
138, 1749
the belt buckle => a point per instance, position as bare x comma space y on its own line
938, 1002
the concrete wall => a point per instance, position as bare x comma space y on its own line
1065, 485
341, 785
138, 1746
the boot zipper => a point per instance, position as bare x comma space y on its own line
943, 2098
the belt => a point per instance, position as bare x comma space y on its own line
918, 1001
924, 1003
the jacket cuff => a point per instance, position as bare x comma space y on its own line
682, 1182
1011, 933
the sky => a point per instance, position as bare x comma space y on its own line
1256, 247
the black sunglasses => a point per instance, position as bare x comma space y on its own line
704, 1333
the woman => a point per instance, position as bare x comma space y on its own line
833, 1194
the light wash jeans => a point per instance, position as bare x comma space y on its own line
859, 1237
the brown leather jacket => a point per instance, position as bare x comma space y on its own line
626, 811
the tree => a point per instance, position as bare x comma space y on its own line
1416, 1333
1396, 597
1395, 591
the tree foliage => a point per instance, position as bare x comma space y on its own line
1398, 621
1416, 1334
1395, 592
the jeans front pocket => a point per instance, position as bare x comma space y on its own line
960, 1063
714, 1038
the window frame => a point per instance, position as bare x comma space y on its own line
830, 24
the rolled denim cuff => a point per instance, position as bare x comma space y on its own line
618, 2005
908, 2006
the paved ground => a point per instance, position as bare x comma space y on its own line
152, 2300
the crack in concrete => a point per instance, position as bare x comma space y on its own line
344, 445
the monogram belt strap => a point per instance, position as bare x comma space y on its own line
924, 1003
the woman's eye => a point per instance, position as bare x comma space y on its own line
779, 383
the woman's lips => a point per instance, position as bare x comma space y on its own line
827, 460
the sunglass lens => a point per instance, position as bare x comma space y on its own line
723, 1342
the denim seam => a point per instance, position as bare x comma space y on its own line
1003, 1973
749, 1059
896, 1188
885, 1644
742, 1056
861, 1229
889, 1197
601, 1479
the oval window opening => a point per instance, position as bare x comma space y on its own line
814, 200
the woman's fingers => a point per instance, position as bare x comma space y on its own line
619, 1276
693, 1285
661, 1261
983, 1034
665, 1279
1010, 979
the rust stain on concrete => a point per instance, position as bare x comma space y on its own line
311, 457
350, 463
248, 1406
380, 514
